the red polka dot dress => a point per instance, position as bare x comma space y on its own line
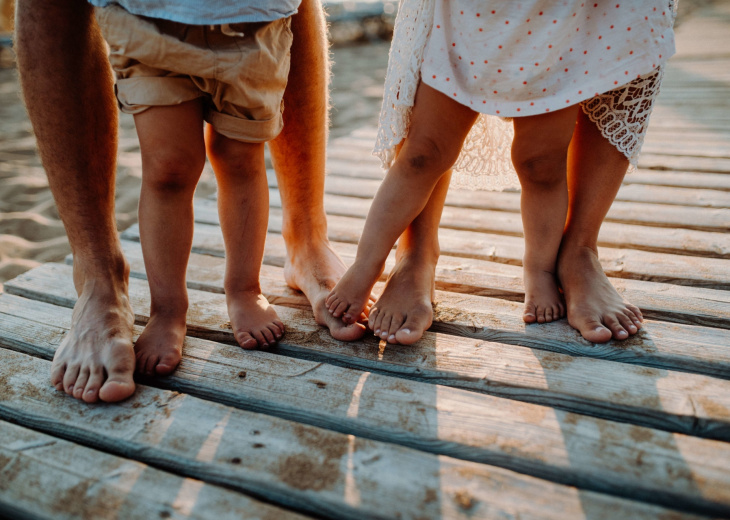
523, 58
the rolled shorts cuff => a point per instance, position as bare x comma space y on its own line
245, 130
139, 93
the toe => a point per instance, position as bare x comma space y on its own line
385, 326
69, 378
91, 390
592, 330
530, 314
373, 318
268, 336
275, 332
246, 340
413, 329
81, 381
548, 314
617, 330
57, 373
627, 323
118, 386
167, 364
150, 364
540, 313
636, 311
339, 308
260, 339
395, 324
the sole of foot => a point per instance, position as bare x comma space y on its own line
254, 321
594, 307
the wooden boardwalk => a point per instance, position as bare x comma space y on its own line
483, 418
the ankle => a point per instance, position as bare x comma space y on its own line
304, 231
111, 272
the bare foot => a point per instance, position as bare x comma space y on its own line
315, 269
95, 361
595, 309
254, 322
404, 311
159, 347
349, 299
543, 302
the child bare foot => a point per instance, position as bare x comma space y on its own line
543, 302
159, 348
254, 322
404, 311
351, 295
595, 309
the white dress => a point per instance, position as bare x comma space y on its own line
522, 58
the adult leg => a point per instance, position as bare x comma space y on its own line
173, 155
243, 205
67, 86
595, 171
439, 126
312, 266
539, 154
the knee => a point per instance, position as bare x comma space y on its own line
424, 156
545, 165
222, 150
172, 172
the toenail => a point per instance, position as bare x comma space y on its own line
377, 331
392, 336
407, 331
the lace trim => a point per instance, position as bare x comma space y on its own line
410, 34
622, 115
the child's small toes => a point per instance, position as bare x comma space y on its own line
548, 314
246, 340
529, 315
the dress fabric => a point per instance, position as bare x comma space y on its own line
523, 58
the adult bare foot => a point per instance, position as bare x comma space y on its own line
254, 322
594, 307
95, 361
543, 302
159, 348
404, 311
315, 268
349, 299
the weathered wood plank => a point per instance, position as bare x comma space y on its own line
675, 303
329, 473
622, 459
673, 401
622, 263
45, 477
359, 191
456, 361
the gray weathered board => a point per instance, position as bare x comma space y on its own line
485, 417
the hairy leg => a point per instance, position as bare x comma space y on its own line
404, 311
539, 153
438, 128
595, 171
67, 87
173, 155
243, 206
312, 265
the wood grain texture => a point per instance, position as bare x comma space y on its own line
44, 477
673, 401
326, 473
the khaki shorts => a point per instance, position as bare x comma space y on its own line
240, 78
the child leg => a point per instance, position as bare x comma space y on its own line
539, 154
439, 126
173, 154
243, 206
595, 171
